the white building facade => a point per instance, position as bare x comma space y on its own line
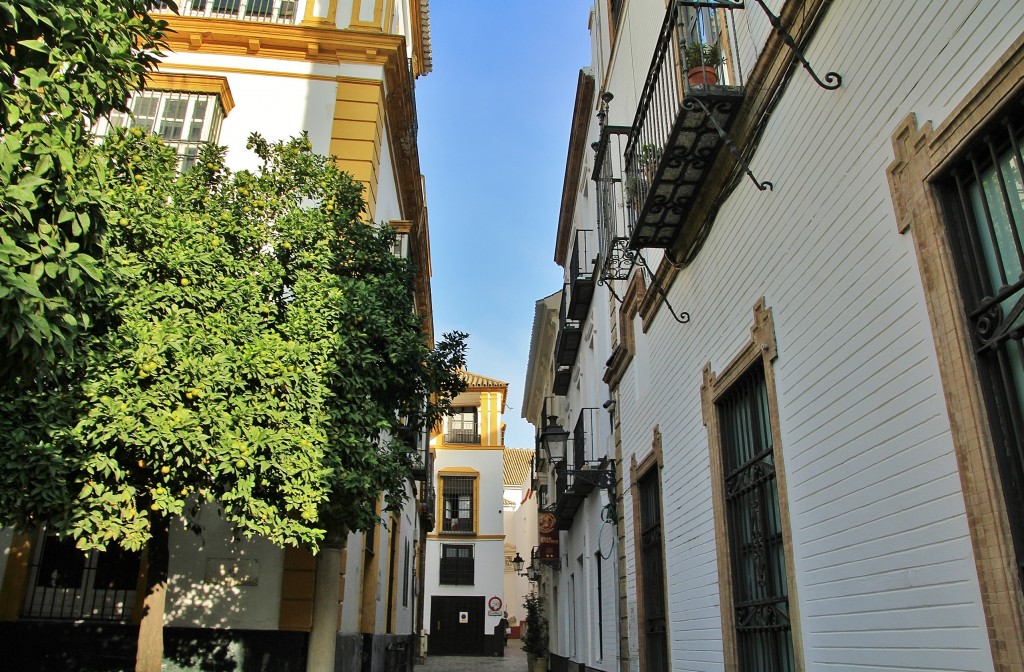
804, 316
344, 72
465, 553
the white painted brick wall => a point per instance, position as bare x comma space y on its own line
885, 574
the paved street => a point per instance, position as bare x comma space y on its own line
514, 661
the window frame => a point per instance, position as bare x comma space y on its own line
923, 153
761, 350
78, 593
445, 480
648, 468
459, 573
169, 87
461, 434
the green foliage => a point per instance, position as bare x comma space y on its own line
697, 54
536, 641
61, 64
258, 348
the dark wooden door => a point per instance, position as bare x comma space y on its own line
456, 626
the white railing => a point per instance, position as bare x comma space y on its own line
260, 11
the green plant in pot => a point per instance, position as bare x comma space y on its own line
702, 61
647, 160
535, 642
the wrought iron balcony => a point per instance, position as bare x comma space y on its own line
428, 508
692, 93
570, 334
563, 376
615, 259
467, 436
581, 274
573, 485
260, 11
588, 469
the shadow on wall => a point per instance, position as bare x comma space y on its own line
110, 647
205, 650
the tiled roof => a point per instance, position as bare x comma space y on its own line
476, 380
518, 463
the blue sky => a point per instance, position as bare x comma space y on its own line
494, 119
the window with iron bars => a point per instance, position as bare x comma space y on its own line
764, 638
457, 495
984, 212
69, 584
457, 565
462, 426
185, 121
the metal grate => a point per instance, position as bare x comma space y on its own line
462, 426
66, 583
985, 208
760, 590
457, 493
260, 11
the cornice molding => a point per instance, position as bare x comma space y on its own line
302, 42
574, 163
212, 84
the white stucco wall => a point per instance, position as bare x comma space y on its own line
883, 561
217, 582
489, 576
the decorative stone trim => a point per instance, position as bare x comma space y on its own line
922, 155
761, 350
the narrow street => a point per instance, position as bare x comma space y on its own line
514, 661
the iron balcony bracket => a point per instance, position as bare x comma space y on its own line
833, 80
603, 477
681, 317
733, 149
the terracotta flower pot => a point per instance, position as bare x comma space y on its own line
702, 75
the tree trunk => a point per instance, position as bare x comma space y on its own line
323, 636
150, 653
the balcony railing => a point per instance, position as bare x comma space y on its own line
581, 274
468, 436
260, 11
567, 345
692, 92
616, 260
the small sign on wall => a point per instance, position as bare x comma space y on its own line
463, 617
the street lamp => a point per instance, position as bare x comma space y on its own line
517, 563
554, 439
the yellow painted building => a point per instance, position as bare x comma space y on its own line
343, 72
464, 592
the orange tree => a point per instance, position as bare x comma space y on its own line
259, 350
61, 64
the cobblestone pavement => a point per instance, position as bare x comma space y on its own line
514, 661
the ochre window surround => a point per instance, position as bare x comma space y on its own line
760, 351
457, 474
648, 468
923, 155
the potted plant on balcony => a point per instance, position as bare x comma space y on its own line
647, 160
702, 61
535, 641
641, 177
